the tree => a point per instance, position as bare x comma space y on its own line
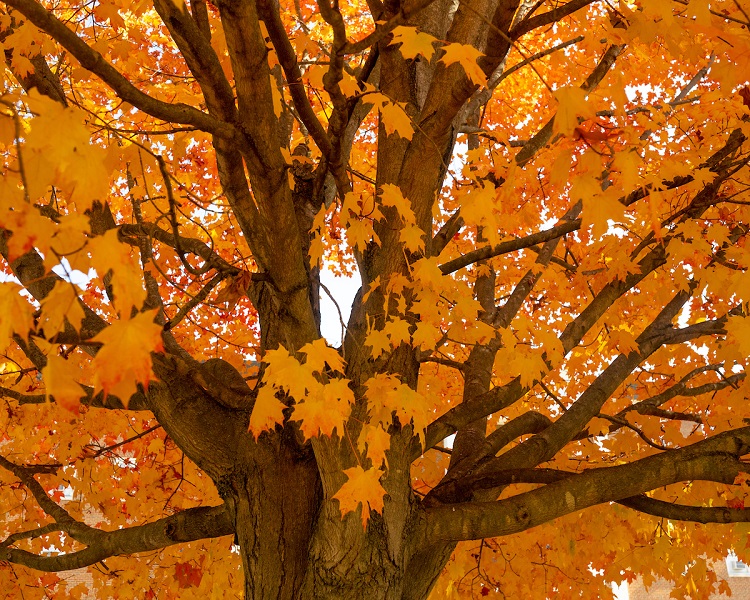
546, 204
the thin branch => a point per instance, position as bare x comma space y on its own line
542, 137
682, 512
77, 530
510, 246
106, 449
552, 16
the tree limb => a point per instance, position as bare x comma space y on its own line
186, 526
714, 459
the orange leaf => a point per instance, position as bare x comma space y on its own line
362, 488
125, 357
61, 385
267, 411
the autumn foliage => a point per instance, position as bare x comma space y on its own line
540, 388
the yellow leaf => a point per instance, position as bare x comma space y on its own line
359, 233
395, 120
426, 336
30, 230
738, 333
125, 357
108, 253
16, 314
412, 238
413, 43
572, 104
397, 330
267, 411
285, 371
326, 410
319, 353
377, 442
60, 383
466, 56
378, 340
60, 304
362, 488
478, 206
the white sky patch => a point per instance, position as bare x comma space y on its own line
74, 276
343, 290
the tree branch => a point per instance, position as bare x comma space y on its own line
510, 246
714, 459
682, 512
552, 16
186, 526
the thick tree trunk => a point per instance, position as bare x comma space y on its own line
276, 500
296, 546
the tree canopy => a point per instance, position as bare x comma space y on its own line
540, 387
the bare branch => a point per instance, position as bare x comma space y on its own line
682, 512
552, 16
510, 246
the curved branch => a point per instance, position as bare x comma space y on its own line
77, 530
186, 526
683, 512
714, 459
201, 59
288, 60
552, 16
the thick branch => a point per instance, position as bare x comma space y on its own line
683, 512
714, 459
186, 526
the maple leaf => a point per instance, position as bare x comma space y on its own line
125, 357
359, 233
61, 385
267, 411
235, 289
108, 253
466, 56
285, 371
187, 575
60, 306
395, 120
319, 353
413, 43
572, 104
325, 409
362, 489
16, 315
412, 237
376, 442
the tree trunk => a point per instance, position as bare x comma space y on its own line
276, 500
295, 544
